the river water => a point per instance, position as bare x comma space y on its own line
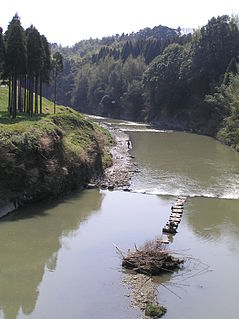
57, 260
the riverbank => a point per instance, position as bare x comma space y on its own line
67, 243
48, 157
118, 175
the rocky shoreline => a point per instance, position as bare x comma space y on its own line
118, 175
142, 291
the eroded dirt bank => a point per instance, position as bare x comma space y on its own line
49, 158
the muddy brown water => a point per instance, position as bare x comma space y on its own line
57, 260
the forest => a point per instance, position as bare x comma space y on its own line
25, 64
160, 75
173, 80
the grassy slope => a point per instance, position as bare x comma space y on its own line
48, 154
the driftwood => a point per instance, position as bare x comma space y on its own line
151, 259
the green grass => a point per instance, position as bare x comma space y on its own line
80, 135
5, 118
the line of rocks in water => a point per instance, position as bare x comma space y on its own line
118, 176
175, 216
144, 290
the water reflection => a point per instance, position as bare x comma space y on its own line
213, 219
181, 163
30, 240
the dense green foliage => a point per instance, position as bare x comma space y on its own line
2, 53
48, 154
57, 68
226, 104
25, 61
154, 311
154, 75
105, 76
178, 80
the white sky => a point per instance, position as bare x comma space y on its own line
67, 22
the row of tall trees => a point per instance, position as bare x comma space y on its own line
25, 61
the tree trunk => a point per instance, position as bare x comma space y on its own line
36, 95
12, 95
55, 93
9, 95
40, 95
31, 96
28, 95
25, 93
14, 109
19, 83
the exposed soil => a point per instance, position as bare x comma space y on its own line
49, 159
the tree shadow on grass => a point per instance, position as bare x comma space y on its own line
5, 118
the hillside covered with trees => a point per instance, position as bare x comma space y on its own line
157, 75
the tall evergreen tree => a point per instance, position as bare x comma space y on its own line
2, 53
57, 64
15, 59
34, 64
213, 48
46, 66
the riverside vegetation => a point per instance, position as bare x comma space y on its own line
48, 154
160, 75
41, 155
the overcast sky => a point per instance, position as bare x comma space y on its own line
67, 22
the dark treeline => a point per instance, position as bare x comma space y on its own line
193, 71
158, 75
146, 74
105, 76
25, 63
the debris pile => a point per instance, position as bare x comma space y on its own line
151, 259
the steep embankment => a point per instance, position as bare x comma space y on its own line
49, 156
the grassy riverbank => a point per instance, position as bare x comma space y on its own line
49, 154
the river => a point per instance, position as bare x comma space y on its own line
57, 259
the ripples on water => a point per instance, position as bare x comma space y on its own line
180, 163
57, 259
184, 164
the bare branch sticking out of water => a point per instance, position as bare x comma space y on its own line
143, 260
